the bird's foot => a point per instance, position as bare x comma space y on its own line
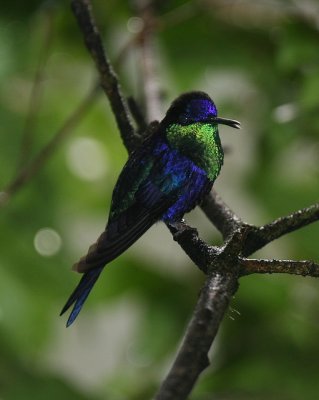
179, 228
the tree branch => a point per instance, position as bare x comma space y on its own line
220, 285
36, 92
250, 266
149, 75
137, 114
192, 357
260, 236
109, 81
26, 173
197, 250
225, 220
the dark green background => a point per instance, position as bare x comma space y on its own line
259, 61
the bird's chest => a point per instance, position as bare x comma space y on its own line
200, 143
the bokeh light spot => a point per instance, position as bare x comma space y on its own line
285, 113
135, 24
47, 242
87, 159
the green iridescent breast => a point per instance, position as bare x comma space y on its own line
201, 143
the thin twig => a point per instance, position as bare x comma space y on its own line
250, 266
148, 61
36, 92
137, 115
30, 170
260, 236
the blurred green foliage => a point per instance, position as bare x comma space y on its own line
260, 63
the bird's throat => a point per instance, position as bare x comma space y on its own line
201, 143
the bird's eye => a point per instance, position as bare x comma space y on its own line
183, 119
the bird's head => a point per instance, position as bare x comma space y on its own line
195, 107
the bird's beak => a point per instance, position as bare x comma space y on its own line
225, 121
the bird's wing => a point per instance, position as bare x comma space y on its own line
138, 202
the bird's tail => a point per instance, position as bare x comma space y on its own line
81, 293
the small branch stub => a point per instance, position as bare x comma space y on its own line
255, 266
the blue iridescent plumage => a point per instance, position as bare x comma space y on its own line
162, 180
185, 178
197, 110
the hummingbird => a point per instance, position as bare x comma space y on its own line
164, 178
